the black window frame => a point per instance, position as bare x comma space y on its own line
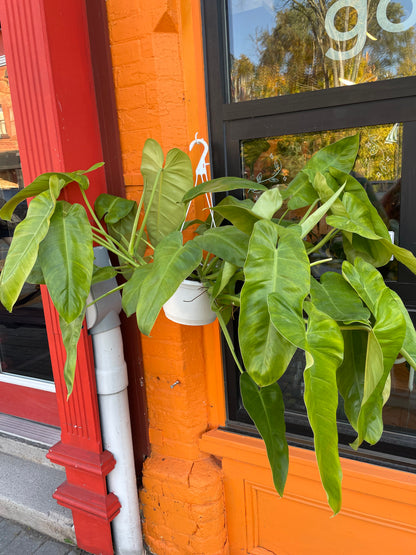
368, 104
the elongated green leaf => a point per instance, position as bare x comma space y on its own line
323, 345
408, 349
335, 296
286, 303
372, 251
353, 187
163, 195
268, 203
389, 333
325, 192
239, 212
36, 274
66, 257
321, 398
265, 407
269, 268
227, 242
366, 280
222, 185
102, 273
173, 262
41, 184
402, 255
113, 208
23, 251
358, 221
351, 373
226, 273
70, 336
131, 291
319, 213
340, 155
384, 344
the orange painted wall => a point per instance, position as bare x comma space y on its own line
158, 71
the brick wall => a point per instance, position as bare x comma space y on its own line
158, 71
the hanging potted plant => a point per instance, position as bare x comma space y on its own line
350, 325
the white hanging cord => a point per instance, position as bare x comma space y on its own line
202, 174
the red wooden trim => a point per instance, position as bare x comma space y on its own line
47, 48
28, 403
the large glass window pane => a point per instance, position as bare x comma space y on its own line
275, 161
24, 347
281, 47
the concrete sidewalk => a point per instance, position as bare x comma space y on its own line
16, 539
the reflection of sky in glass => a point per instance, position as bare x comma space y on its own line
246, 17
337, 43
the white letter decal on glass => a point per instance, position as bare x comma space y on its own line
359, 30
387, 25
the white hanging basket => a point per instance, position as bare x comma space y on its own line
189, 305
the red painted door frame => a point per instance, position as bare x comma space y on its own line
50, 73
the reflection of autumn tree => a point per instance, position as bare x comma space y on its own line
292, 56
378, 161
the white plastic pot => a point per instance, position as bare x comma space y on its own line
189, 305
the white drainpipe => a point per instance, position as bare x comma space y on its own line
111, 374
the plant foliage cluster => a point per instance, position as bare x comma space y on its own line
350, 325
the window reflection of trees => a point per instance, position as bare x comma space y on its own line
293, 55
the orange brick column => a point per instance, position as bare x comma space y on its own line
158, 71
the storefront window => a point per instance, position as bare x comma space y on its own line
287, 78
24, 347
279, 48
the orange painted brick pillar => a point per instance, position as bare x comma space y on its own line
158, 72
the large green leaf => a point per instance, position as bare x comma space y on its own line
268, 203
228, 274
266, 408
408, 349
388, 337
321, 398
164, 188
317, 215
335, 296
173, 262
239, 212
66, 257
102, 273
269, 268
402, 255
112, 208
358, 220
353, 187
351, 373
384, 343
340, 155
366, 280
23, 251
131, 290
372, 251
70, 336
321, 184
222, 185
227, 242
36, 274
41, 184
